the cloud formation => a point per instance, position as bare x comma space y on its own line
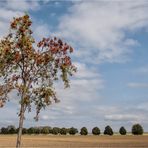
100, 28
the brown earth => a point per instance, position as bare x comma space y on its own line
49, 141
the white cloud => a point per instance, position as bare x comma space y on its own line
100, 28
125, 117
137, 85
14, 8
22, 5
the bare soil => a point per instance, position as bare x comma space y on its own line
50, 141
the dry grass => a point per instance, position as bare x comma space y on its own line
43, 141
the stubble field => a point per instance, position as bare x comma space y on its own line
43, 141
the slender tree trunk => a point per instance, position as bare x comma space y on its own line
22, 111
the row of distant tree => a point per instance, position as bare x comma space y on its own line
137, 129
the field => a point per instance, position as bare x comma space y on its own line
43, 141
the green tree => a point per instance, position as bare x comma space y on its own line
73, 131
96, 131
11, 129
45, 130
4, 130
32, 72
137, 129
24, 131
55, 130
122, 131
83, 131
63, 131
108, 131
31, 130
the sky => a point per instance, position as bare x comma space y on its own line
110, 38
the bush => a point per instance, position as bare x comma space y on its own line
83, 131
108, 131
137, 129
96, 131
73, 131
122, 131
63, 131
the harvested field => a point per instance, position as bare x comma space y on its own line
43, 141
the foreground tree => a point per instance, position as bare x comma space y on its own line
31, 72
122, 131
137, 129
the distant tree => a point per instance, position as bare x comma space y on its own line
4, 130
37, 130
45, 130
73, 131
108, 131
31, 130
31, 68
83, 131
63, 131
96, 131
55, 130
11, 129
24, 131
137, 129
122, 131
50, 130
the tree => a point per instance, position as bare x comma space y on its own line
31, 68
11, 129
45, 130
137, 129
24, 131
108, 131
122, 131
31, 130
4, 130
55, 130
96, 131
73, 131
83, 131
63, 131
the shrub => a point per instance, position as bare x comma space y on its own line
63, 131
96, 131
122, 131
73, 131
108, 131
137, 129
83, 131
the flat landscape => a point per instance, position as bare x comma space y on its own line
50, 141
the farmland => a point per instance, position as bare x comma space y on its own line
77, 141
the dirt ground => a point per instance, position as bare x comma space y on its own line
50, 141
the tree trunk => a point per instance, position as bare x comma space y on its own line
22, 111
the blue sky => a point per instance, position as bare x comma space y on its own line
110, 40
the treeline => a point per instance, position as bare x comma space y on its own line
137, 129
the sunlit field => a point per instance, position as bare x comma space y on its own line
50, 141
